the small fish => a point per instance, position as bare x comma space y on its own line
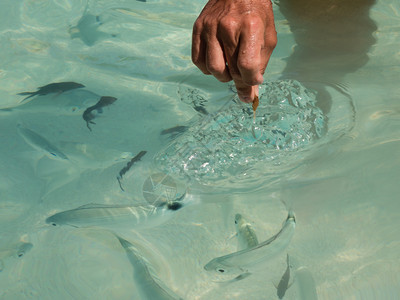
306, 284
87, 28
17, 251
58, 88
40, 143
108, 216
174, 131
200, 109
242, 260
283, 285
246, 235
149, 285
91, 112
128, 166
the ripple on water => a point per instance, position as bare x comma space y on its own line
44, 14
231, 145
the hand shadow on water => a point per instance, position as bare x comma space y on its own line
332, 39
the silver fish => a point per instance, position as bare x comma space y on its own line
246, 235
306, 284
242, 260
40, 143
110, 216
284, 282
17, 251
149, 285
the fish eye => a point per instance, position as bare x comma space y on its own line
221, 270
54, 224
53, 154
235, 221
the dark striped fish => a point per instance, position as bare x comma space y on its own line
91, 112
58, 87
128, 166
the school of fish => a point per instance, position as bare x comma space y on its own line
251, 255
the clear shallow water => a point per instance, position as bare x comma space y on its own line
343, 187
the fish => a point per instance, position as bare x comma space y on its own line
17, 251
58, 87
72, 103
174, 131
306, 284
283, 285
242, 260
128, 166
246, 235
40, 143
149, 285
110, 216
87, 28
91, 112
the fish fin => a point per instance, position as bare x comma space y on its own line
95, 205
119, 181
31, 94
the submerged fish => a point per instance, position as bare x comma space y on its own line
101, 215
91, 112
174, 131
246, 235
58, 87
17, 251
128, 166
40, 143
242, 260
73, 103
283, 285
306, 284
149, 285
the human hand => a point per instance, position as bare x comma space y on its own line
234, 39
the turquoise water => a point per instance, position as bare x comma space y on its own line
330, 153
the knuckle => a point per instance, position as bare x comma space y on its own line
228, 23
253, 23
215, 69
247, 64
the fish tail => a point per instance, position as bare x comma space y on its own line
88, 126
31, 94
120, 184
